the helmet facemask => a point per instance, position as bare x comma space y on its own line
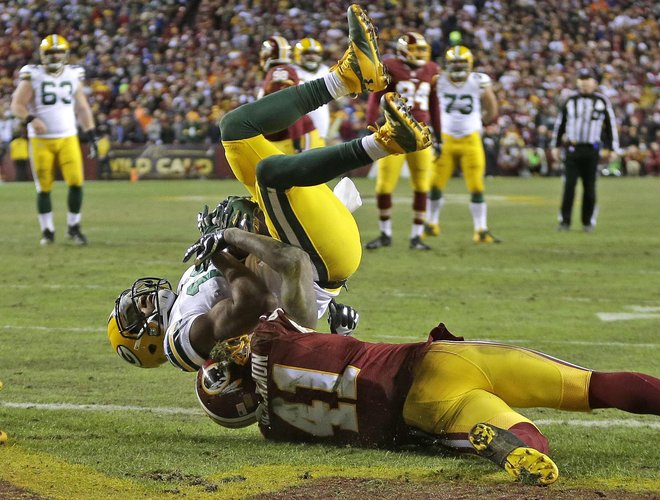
459, 63
144, 308
54, 59
414, 49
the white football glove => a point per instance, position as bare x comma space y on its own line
205, 247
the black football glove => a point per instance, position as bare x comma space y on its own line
91, 138
437, 148
205, 247
343, 319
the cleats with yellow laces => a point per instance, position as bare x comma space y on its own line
401, 133
361, 67
485, 236
431, 229
524, 464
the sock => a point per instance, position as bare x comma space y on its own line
335, 85
433, 208
72, 219
46, 222
531, 436
274, 112
385, 226
312, 167
373, 149
44, 204
74, 199
479, 216
416, 230
628, 391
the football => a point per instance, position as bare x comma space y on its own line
227, 394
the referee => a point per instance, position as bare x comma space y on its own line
587, 120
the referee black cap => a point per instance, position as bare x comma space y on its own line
584, 73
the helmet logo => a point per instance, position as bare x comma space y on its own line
128, 355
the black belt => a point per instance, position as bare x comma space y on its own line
595, 145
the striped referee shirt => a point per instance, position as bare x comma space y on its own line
587, 119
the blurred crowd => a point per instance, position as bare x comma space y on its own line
165, 71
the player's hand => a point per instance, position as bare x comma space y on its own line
343, 319
241, 212
90, 137
207, 222
39, 126
437, 149
205, 247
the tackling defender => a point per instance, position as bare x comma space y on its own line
48, 99
463, 94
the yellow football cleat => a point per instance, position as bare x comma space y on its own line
485, 236
506, 450
361, 68
401, 133
431, 229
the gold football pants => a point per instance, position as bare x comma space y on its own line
419, 164
47, 154
459, 384
468, 153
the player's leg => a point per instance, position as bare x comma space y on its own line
441, 171
588, 172
389, 170
419, 164
71, 165
571, 169
359, 70
42, 162
473, 163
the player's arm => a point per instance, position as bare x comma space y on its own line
489, 105
291, 263
235, 315
21, 99
83, 110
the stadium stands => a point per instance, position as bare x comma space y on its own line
164, 72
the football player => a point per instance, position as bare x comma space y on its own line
299, 208
275, 60
48, 99
466, 99
413, 75
308, 57
446, 391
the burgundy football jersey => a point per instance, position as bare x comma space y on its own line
413, 83
280, 77
322, 387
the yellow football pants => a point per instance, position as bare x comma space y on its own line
459, 384
419, 164
47, 154
468, 153
309, 217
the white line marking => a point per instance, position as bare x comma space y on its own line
198, 412
54, 328
623, 316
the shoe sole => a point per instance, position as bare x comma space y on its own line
397, 112
524, 464
362, 35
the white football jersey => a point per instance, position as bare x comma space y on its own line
320, 116
460, 104
53, 100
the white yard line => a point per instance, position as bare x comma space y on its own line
198, 412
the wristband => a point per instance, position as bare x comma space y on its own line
28, 119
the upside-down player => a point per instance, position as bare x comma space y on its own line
335, 389
48, 99
413, 75
466, 99
299, 208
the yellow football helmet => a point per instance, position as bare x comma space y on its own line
275, 50
413, 48
308, 54
54, 52
459, 61
139, 320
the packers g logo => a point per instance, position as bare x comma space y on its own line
127, 355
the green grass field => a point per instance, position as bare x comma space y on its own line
84, 424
